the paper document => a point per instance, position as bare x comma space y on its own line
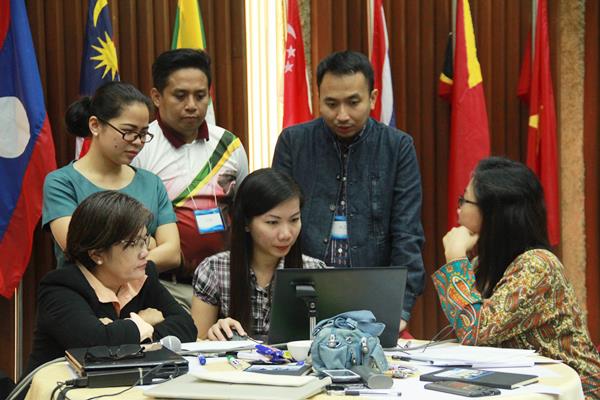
475, 356
253, 378
209, 346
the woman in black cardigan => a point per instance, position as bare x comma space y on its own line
109, 294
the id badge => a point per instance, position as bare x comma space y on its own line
339, 229
209, 221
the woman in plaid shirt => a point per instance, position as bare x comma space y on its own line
233, 289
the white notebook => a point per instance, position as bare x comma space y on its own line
190, 387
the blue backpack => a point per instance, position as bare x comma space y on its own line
347, 340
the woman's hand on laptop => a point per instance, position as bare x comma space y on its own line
223, 329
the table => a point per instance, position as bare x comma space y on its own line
558, 377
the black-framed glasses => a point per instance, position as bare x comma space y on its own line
130, 136
462, 200
122, 352
138, 243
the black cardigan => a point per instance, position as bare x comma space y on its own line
69, 315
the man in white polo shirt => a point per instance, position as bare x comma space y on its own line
200, 164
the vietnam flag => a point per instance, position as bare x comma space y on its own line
296, 103
469, 133
380, 59
189, 33
26, 146
535, 88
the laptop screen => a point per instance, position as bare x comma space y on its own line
338, 290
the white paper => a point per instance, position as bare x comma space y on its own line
476, 356
209, 346
253, 378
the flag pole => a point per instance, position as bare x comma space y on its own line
453, 27
18, 331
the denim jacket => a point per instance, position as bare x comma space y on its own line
383, 194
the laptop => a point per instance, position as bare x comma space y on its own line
338, 290
127, 370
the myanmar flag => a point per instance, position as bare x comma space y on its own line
189, 33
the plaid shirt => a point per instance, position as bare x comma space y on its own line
211, 284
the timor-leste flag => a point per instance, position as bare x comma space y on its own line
188, 32
469, 132
26, 145
535, 88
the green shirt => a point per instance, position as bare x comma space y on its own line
66, 188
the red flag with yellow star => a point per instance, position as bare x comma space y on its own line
535, 88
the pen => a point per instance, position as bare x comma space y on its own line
405, 358
367, 392
201, 359
234, 362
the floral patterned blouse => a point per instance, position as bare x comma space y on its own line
532, 306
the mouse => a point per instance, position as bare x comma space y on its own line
236, 336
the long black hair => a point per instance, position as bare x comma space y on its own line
511, 201
258, 193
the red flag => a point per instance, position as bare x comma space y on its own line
469, 133
380, 59
26, 146
296, 104
535, 88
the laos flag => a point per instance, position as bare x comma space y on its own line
26, 146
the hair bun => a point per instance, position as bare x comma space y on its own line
78, 115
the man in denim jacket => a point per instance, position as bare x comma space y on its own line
360, 178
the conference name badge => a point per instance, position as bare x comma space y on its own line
209, 221
339, 229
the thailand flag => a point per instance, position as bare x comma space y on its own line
26, 146
380, 59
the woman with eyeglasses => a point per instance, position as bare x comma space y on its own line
116, 118
108, 292
514, 293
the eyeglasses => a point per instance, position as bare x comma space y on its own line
122, 352
130, 136
138, 243
462, 200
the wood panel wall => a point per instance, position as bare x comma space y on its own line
418, 31
142, 30
591, 151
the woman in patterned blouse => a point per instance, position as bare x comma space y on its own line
232, 289
515, 293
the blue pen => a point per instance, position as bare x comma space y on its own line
201, 359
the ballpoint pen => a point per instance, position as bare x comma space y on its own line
369, 392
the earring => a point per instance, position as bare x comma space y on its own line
99, 262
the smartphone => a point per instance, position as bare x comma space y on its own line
341, 375
462, 389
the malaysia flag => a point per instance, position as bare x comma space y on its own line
26, 146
